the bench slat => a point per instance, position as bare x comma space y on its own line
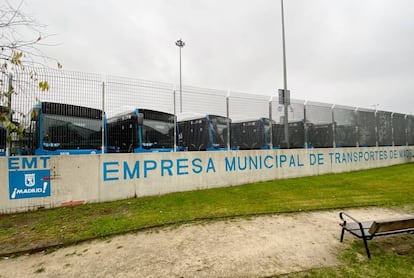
385, 226
354, 228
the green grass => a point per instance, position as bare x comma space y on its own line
392, 257
391, 186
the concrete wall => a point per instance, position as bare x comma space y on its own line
43, 182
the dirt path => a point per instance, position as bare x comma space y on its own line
261, 246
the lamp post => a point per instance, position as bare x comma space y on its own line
180, 45
286, 120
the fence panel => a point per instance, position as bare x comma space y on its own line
366, 127
4, 84
384, 128
345, 126
296, 128
319, 124
248, 106
296, 111
399, 125
410, 130
314, 125
123, 94
204, 101
67, 116
75, 88
250, 126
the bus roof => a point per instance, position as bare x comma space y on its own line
68, 110
128, 109
189, 116
135, 111
236, 120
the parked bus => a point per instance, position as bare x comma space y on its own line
57, 128
296, 131
320, 135
201, 132
250, 134
141, 130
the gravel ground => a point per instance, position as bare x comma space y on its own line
256, 247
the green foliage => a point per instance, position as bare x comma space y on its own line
16, 58
17, 52
44, 86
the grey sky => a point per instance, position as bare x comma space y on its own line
353, 52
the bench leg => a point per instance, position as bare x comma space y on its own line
342, 234
366, 248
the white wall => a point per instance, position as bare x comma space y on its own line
45, 182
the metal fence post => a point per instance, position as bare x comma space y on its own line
376, 129
10, 115
333, 127
175, 121
228, 119
103, 118
271, 125
357, 127
305, 126
392, 129
406, 129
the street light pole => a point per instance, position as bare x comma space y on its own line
286, 120
180, 45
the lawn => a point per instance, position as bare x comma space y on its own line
392, 257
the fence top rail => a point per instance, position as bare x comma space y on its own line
293, 101
189, 116
384, 112
320, 104
240, 119
242, 95
343, 107
395, 114
38, 71
359, 109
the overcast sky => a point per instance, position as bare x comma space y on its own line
357, 53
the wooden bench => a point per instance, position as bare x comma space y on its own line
370, 229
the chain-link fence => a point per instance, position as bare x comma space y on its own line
132, 115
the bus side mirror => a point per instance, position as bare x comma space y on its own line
140, 118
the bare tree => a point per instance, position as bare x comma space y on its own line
20, 38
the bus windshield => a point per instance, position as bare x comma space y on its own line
141, 131
68, 132
219, 130
158, 133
